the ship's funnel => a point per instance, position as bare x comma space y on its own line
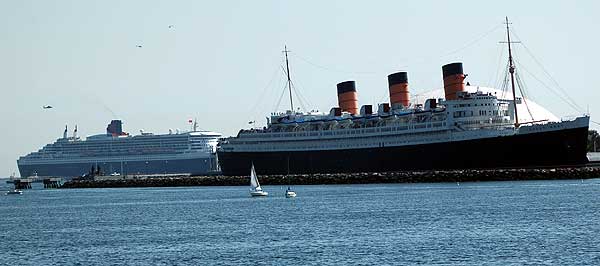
398, 85
115, 128
453, 80
347, 97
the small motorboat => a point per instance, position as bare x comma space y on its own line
255, 189
289, 193
14, 192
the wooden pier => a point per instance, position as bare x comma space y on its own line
23, 183
26, 183
54, 182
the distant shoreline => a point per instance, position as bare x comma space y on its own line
433, 176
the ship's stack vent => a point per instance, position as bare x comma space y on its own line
366, 110
454, 80
430, 104
383, 108
398, 85
347, 97
335, 111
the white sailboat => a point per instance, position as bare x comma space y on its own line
289, 193
255, 189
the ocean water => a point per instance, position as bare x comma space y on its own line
487, 223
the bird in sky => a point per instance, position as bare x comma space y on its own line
47, 106
171, 26
138, 46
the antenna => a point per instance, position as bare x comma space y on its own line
511, 69
289, 80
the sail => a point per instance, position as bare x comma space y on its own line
253, 178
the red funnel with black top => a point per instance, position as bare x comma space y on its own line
398, 85
454, 80
347, 97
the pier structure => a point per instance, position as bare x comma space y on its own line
23, 183
53, 182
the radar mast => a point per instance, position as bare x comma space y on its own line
511, 69
289, 80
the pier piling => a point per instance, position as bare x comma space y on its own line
23, 183
52, 182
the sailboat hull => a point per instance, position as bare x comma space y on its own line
259, 193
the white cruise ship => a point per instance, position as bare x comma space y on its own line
119, 152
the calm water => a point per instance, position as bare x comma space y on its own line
490, 223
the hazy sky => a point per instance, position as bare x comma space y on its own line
221, 61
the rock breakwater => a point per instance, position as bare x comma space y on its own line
348, 178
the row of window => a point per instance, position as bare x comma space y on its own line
353, 131
483, 104
343, 143
481, 113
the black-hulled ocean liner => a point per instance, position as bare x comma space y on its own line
118, 152
465, 129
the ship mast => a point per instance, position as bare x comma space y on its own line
511, 69
289, 80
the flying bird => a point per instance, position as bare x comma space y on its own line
171, 26
138, 46
46, 106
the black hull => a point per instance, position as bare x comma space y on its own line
563, 147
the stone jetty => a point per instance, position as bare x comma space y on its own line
347, 178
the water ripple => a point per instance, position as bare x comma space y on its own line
490, 223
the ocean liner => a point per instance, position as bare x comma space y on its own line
117, 152
466, 129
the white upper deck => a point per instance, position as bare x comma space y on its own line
473, 115
145, 144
